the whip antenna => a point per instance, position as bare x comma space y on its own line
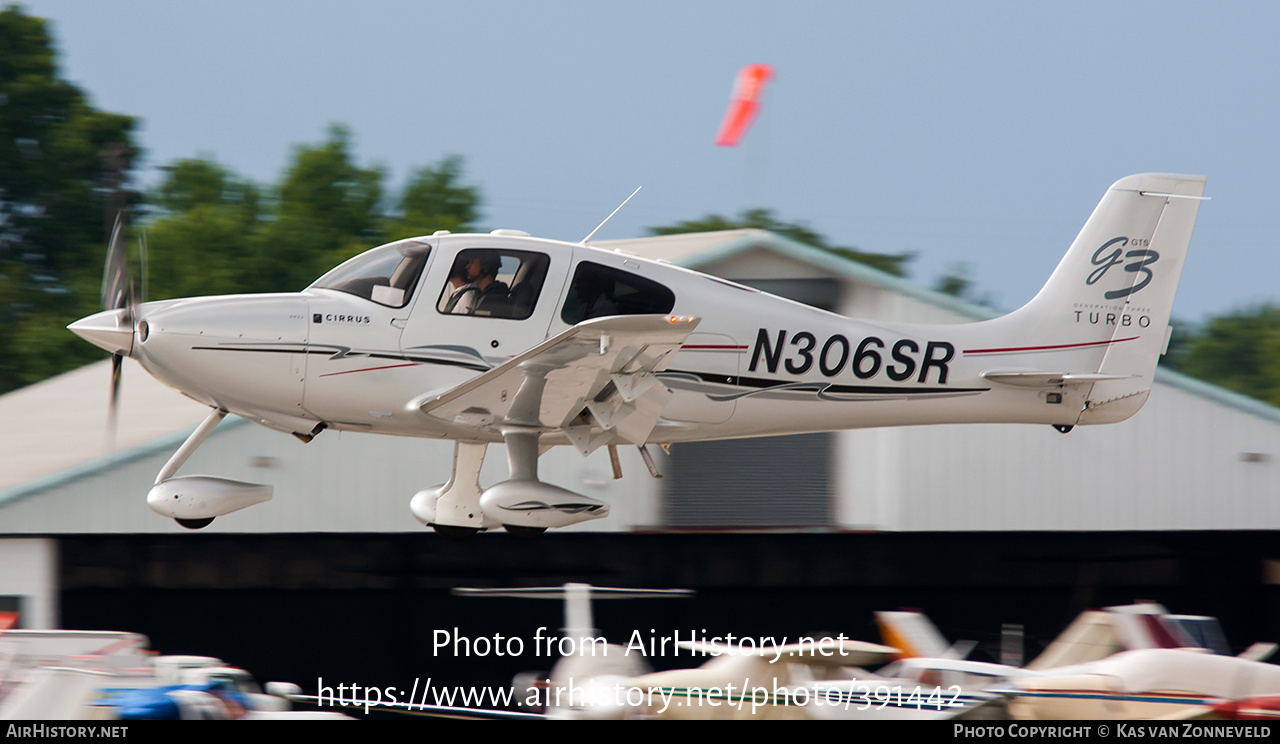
611, 214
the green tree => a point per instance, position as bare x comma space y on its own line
1239, 351
218, 234
763, 219
434, 200
206, 239
327, 210
195, 182
958, 282
1181, 336
64, 170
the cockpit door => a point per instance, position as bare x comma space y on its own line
499, 302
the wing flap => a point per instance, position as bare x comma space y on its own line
604, 366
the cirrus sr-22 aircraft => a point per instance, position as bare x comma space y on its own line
501, 337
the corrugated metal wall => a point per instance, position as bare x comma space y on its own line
766, 482
1182, 463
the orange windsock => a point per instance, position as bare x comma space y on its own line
744, 104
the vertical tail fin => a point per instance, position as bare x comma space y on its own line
912, 633
1105, 310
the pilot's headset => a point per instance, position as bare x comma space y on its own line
490, 264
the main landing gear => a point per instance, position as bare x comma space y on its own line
523, 505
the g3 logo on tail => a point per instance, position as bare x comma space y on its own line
1104, 260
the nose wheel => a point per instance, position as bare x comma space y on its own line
195, 524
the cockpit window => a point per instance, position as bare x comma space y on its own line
598, 291
493, 283
386, 275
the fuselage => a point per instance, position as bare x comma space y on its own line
350, 358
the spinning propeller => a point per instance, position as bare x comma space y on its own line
118, 296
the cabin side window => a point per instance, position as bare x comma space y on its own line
597, 291
492, 283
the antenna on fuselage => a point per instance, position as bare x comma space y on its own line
611, 214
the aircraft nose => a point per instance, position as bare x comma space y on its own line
110, 329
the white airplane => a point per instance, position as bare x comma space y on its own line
589, 679
1143, 683
548, 343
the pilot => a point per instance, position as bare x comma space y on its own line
482, 271
463, 292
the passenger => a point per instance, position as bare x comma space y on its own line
589, 297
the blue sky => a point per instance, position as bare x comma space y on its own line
976, 132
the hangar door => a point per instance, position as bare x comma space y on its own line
769, 482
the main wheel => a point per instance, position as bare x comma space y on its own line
195, 524
454, 532
522, 531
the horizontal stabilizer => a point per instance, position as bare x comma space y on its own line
1040, 379
561, 592
1260, 651
577, 600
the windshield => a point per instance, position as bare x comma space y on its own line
386, 275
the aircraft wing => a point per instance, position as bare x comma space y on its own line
592, 382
